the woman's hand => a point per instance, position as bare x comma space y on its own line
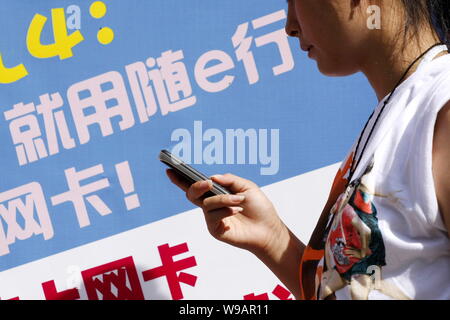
246, 219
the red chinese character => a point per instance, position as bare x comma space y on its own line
15, 298
117, 280
51, 293
170, 268
279, 292
252, 296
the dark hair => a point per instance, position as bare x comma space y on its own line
434, 12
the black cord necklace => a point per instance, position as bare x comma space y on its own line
354, 164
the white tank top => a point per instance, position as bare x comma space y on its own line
387, 239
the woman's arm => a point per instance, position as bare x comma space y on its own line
283, 259
441, 163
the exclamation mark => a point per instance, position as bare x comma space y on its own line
127, 184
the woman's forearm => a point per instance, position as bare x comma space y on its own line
283, 258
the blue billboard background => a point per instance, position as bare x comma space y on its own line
318, 118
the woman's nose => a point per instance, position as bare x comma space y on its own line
292, 27
290, 31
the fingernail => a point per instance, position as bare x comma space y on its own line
205, 183
238, 209
237, 198
218, 176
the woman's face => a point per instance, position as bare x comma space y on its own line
334, 32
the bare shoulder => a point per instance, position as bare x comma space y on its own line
441, 162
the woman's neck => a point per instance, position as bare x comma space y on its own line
385, 64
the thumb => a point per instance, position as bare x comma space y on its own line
233, 183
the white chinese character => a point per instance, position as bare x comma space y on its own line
77, 193
12, 203
106, 95
26, 133
279, 37
243, 53
170, 85
54, 121
242, 44
146, 104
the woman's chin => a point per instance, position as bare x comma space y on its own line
334, 69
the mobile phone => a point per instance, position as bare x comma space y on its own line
189, 173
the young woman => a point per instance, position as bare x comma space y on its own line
384, 232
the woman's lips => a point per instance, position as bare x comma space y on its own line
310, 51
306, 47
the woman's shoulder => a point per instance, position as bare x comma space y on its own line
433, 86
438, 72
